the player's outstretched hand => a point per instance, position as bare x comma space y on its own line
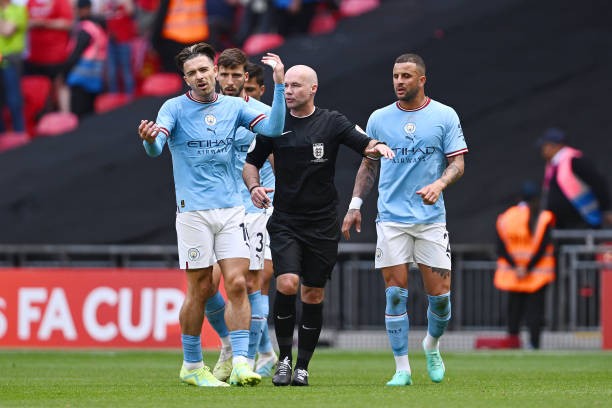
352, 217
278, 68
259, 196
380, 150
148, 130
431, 192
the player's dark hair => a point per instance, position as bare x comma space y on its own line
415, 59
193, 51
232, 58
255, 71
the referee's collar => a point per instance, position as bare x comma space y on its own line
305, 116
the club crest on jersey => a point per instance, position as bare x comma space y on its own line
318, 151
193, 254
410, 128
210, 120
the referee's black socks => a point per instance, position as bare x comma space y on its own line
284, 323
309, 331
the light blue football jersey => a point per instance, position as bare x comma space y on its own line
201, 138
422, 139
244, 139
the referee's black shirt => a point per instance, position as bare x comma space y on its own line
305, 161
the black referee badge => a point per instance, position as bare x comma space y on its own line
318, 151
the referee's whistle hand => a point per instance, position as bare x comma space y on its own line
352, 217
259, 196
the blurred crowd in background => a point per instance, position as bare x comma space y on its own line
65, 59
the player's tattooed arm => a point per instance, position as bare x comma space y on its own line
364, 181
366, 177
453, 171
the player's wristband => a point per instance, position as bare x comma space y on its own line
253, 188
379, 142
355, 203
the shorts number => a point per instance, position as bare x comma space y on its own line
259, 247
245, 234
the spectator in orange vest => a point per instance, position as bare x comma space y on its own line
178, 24
526, 264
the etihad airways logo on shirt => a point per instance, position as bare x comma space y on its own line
412, 154
207, 144
212, 146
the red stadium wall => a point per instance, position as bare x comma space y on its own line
606, 309
606, 300
93, 308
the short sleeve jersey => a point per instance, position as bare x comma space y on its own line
422, 139
244, 139
201, 138
305, 160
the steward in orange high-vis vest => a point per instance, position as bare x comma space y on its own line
522, 248
186, 21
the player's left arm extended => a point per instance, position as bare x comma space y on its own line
273, 125
453, 172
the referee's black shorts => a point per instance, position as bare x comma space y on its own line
306, 247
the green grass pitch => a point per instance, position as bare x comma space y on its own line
338, 379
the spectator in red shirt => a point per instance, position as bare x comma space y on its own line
50, 24
121, 28
49, 35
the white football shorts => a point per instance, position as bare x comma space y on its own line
208, 235
256, 226
398, 243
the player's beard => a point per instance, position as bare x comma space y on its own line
409, 95
234, 92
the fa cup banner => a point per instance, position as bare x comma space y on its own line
93, 308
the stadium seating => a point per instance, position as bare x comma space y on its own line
352, 8
260, 43
162, 84
11, 140
56, 123
109, 101
36, 90
324, 22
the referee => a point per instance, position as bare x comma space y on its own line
304, 230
